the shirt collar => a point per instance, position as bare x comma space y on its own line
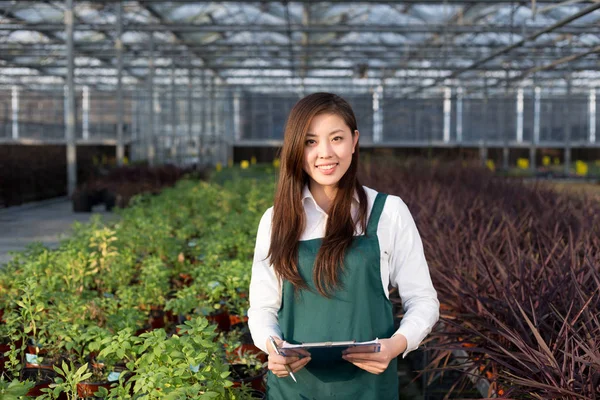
306, 194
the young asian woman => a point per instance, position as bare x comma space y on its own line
325, 255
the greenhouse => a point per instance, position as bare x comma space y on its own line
142, 143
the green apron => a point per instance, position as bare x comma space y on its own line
359, 310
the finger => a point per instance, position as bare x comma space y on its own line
277, 359
363, 357
298, 368
299, 364
368, 367
279, 372
297, 352
370, 356
358, 349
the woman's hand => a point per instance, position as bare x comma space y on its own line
376, 363
277, 363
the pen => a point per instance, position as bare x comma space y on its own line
287, 367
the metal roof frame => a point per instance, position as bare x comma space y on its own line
375, 39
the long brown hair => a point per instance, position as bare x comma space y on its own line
289, 220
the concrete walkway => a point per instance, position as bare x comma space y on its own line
46, 221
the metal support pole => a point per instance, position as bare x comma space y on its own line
150, 134
190, 118
216, 137
65, 106
15, 112
230, 128
520, 115
85, 105
134, 146
134, 117
174, 142
211, 119
505, 128
160, 134
592, 115
536, 127
120, 111
447, 111
483, 150
377, 117
70, 122
202, 131
459, 115
237, 118
568, 122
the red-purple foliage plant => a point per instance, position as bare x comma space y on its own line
517, 270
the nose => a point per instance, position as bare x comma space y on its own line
325, 150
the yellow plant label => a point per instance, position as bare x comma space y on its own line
523, 163
581, 168
545, 161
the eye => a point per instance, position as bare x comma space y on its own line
338, 138
309, 142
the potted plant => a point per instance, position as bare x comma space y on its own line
248, 369
65, 383
40, 379
237, 342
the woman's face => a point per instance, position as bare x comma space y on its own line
328, 149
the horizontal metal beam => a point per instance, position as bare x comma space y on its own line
331, 52
79, 142
254, 46
591, 65
316, 2
283, 29
424, 143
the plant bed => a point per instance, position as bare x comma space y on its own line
515, 267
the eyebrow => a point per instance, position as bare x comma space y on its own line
330, 133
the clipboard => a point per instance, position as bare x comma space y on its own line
328, 352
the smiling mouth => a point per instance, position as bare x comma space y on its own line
327, 166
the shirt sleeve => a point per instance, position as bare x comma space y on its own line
410, 274
265, 289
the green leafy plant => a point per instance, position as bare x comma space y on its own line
14, 389
181, 366
66, 382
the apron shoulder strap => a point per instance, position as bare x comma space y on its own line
376, 214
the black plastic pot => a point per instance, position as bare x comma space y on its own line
110, 199
240, 376
81, 201
256, 394
42, 378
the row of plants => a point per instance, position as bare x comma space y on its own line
517, 270
150, 306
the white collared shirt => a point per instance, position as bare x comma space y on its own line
402, 265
